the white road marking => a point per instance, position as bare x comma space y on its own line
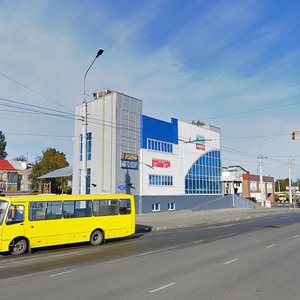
220, 226
295, 236
197, 242
162, 287
61, 273
153, 252
230, 234
271, 246
231, 261
247, 222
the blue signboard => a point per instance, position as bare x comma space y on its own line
129, 161
121, 187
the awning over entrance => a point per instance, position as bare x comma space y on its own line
63, 172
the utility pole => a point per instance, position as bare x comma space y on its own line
83, 178
262, 188
233, 204
290, 184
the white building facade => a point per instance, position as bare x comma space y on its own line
166, 165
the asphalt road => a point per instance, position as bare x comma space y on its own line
250, 259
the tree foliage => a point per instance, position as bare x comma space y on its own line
3, 153
50, 160
282, 184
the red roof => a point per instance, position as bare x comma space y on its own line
5, 165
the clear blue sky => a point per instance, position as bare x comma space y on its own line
232, 64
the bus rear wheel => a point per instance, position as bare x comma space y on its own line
96, 238
18, 246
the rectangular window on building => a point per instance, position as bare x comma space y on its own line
155, 206
89, 146
79, 183
80, 137
160, 180
152, 145
269, 187
88, 181
159, 146
172, 206
253, 186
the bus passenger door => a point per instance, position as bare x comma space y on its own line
36, 231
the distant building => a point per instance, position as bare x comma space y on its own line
232, 179
14, 175
237, 180
252, 188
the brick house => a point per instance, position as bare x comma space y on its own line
239, 181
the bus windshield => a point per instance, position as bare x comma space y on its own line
3, 206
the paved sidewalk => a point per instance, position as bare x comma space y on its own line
186, 218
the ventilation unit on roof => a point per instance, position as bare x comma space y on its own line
101, 93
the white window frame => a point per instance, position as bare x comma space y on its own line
172, 206
156, 206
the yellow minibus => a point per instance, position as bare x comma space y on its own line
33, 221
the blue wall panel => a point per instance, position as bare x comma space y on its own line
158, 130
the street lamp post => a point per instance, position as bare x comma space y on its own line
83, 177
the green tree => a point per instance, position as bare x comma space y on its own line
281, 184
3, 153
48, 162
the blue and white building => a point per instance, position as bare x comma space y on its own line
167, 165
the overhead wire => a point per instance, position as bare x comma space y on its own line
35, 108
99, 122
34, 91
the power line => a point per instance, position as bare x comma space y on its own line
37, 134
55, 113
110, 125
35, 106
34, 91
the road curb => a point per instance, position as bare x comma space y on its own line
153, 226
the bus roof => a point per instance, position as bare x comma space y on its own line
46, 197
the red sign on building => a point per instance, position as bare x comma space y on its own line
200, 147
161, 163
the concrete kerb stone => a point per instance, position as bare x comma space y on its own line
188, 218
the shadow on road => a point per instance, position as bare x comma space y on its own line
139, 228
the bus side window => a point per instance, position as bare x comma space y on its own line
125, 207
15, 214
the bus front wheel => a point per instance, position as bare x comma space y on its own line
96, 238
18, 246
